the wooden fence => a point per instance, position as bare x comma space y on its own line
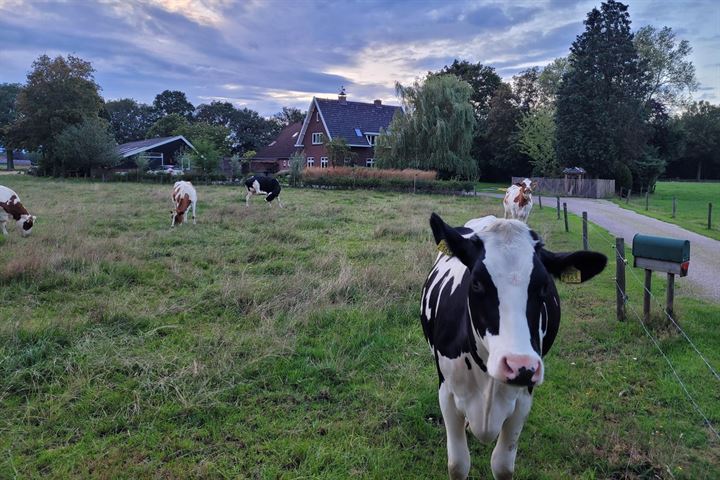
572, 187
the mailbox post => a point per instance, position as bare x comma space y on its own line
661, 254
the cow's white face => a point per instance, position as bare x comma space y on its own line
176, 217
25, 224
511, 279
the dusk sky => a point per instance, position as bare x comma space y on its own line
268, 54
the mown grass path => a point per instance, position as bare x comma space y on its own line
265, 343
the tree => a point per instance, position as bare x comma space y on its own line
536, 139
218, 135
601, 101
482, 79
339, 153
672, 75
505, 159
216, 113
8, 115
167, 126
550, 79
248, 130
701, 124
205, 157
129, 120
526, 87
87, 145
289, 115
436, 131
297, 164
59, 92
173, 102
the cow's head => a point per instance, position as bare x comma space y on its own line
177, 217
527, 187
511, 279
25, 224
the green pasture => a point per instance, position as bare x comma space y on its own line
691, 204
267, 343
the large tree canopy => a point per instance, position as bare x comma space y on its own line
129, 120
173, 102
601, 101
84, 146
8, 115
436, 131
60, 92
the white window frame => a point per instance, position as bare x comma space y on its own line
310, 161
370, 162
324, 162
372, 139
317, 138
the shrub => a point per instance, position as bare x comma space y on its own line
297, 163
373, 173
87, 145
623, 176
314, 177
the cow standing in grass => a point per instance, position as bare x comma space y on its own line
490, 311
518, 200
268, 186
184, 197
10, 206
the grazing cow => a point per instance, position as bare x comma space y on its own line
10, 206
267, 186
490, 311
518, 200
184, 196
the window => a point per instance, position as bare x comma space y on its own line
285, 163
370, 162
371, 139
310, 161
317, 138
323, 162
358, 132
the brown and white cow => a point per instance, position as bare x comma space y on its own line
490, 312
184, 197
518, 200
10, 206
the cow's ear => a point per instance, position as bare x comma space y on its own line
533, 185
467, 250
568, 264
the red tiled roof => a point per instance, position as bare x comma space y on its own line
283, 146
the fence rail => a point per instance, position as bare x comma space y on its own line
573, 187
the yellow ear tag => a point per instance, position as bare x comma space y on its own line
570, 275
444, 248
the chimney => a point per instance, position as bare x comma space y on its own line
378, 102
342, 96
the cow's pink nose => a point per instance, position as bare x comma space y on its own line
521, 369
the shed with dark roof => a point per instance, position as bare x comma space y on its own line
160, 151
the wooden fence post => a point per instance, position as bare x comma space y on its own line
584, 232
565, 213
709, 216
670, 298
627, 200
558, 207
646, 297
673, 212
414, 182
540, 201
620, 277
647, 199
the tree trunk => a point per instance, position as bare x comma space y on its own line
10, 159
699, 170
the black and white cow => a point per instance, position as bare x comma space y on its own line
268, 186
490, 311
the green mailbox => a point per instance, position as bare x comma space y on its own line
661, 254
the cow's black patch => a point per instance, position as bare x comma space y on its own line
268, 185
524, 377
467, 362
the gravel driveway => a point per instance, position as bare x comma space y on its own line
703, 276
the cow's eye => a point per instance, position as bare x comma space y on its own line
477, 287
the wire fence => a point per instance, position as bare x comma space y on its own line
605, 238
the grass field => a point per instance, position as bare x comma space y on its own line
691, 205
266, 343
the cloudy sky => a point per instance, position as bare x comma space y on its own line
268, 54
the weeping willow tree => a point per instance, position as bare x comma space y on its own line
435, 132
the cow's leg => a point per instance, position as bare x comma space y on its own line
457, 448
193, 206
503, 456
247, 198
279, 202
3, 223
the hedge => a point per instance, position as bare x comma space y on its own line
389, 184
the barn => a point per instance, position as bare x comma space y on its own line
159, 151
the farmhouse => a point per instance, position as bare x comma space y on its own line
276, 156
357, 122
159, 151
